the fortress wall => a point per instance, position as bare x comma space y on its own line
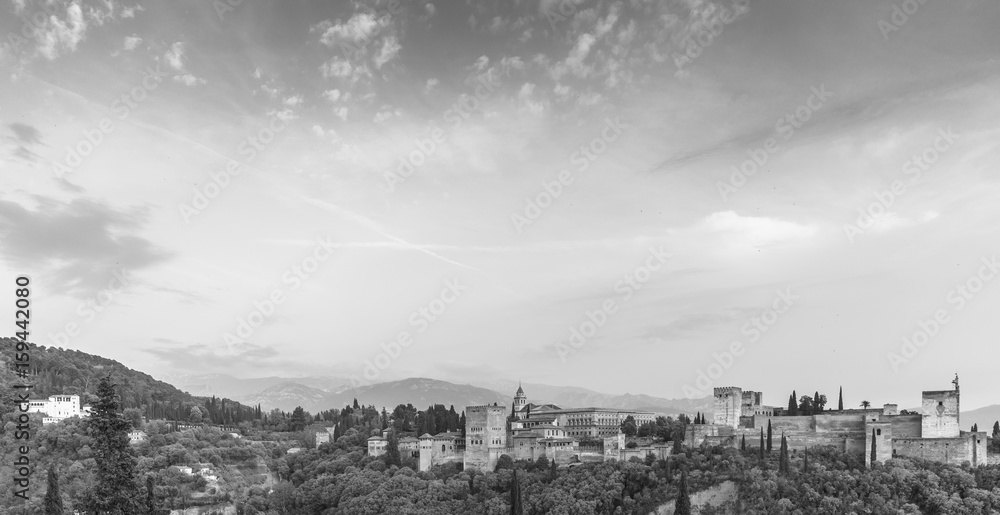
954, 451
840, 423
905, 426
786, 424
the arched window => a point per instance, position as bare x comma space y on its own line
442, 447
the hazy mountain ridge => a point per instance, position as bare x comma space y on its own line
422, 392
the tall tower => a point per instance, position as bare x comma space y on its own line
520, 402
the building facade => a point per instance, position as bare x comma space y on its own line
58, 407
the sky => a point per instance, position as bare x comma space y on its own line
628, 196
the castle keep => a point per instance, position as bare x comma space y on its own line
933, 434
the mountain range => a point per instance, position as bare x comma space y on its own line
320, 393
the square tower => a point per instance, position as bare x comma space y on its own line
485, 436
940, 414
728, 406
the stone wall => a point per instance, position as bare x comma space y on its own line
954, 451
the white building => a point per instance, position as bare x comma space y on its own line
136, 436
58, 408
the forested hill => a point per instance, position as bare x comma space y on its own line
56, 371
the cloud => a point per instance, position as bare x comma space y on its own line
57, 35
199, 356
358, 29
293, 101
75, 246
26, 133
175, 56
759, 230
131, 42
188, 80
332, 95
390, 49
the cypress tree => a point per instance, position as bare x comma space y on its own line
392, 450
115, 487
760, 449
553, 470
793, 406
769, 447
996, 430
805, 461
783, 457
53, 499
150, 496
816, 408
840, 401
873, 448
743, 443
515, 495
683, 504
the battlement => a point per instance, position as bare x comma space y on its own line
723, 390
485, 408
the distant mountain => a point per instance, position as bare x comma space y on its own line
575, 397
420, 392
985, 417
222, 385
287, 396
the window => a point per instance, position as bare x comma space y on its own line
442, 448
878, 432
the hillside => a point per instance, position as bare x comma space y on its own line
71, 372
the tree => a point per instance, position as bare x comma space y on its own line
760, 449
505, 462
873, 448
743, 442
683, 504
515, 496
996, 429
805, 460
356, 405
194, 416
783, 457
769, 436
553, 470
53, 499
150, 496
392, 450
628, 426
819, 402
975, 428
865, 404
115, 488
298, 419
793, 407
840, 401
806, 406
